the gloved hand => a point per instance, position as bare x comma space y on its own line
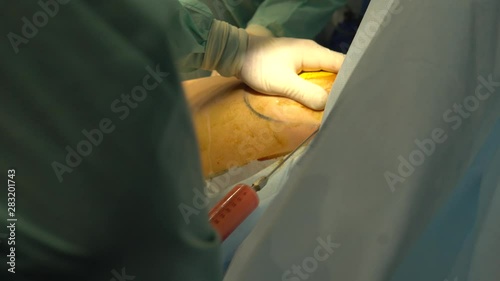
270, 65
258, 30
252, 29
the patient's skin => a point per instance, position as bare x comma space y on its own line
236, 125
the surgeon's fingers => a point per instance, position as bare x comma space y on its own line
318, 57
300, 90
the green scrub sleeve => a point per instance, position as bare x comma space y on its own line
108, 182
298, 19
207, 43
190, 26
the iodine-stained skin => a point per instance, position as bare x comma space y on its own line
236, 125
287, 110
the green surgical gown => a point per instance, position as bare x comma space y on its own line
94, 122
298, 18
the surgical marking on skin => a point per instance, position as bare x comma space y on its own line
262, 116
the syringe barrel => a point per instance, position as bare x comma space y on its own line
233, 209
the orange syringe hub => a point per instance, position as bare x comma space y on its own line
233, 209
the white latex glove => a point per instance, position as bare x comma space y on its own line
270, 65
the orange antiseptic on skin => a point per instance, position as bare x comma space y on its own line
284, 109
236, 125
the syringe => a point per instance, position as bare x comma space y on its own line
242, 200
